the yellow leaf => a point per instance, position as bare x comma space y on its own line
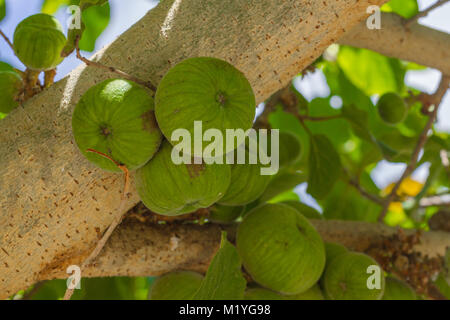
408, 188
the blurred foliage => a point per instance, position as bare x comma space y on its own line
2, 9
96, 19
406, 8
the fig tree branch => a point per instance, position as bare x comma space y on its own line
434, 103
139, 249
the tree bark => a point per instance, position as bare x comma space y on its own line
55, 204
415, 43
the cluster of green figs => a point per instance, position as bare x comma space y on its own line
288, 260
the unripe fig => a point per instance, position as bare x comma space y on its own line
208, 90
10, 87
313, 293
225, 214
391, 108
396, 289
332, 250
304, 209
178, 285
174, 189
247, 184
280, 248
346, 278
38, 41
116, 117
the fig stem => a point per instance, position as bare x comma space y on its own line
116, 221
49, 77
7, 40
123, 74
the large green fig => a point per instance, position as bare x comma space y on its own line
347, 277
314, 293
396, 289
332, 250
38, 41
391, 108
116, 117
247, 184
173, 189
304, 209
225, 214
280, 248
178, 285
208, 90
10, 87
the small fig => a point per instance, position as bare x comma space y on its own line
280, 248
225, 214
346, 278
174, 189
38, 41
10, 87
116, 117
178, 285
395, 289
208, 90
391, 108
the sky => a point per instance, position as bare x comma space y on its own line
125, 15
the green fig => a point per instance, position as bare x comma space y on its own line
116, 117
280, 248
207, 90
332, 250
314, 293
348, 277
174, 189
225, 214
304, 209
395, 289
38, 41
391, 108
178, 285
10, 87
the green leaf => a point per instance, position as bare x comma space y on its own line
96, 19
5, 66
51, 6
324, 166
224, 279
2, 9
372, 72
359, 121
406, 8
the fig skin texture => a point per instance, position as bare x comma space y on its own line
304, 209
395, 289
116, 117
391, 108
178, 285
313, 293
10, 86
280, 248
346, 277
173, 189
333, 250
38, 41
208, 90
